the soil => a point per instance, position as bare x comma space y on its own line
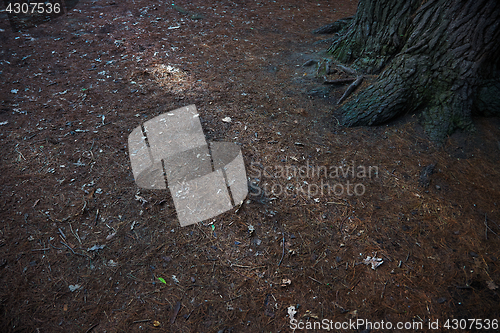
83, 249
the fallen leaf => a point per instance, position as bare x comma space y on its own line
111, 236
96, 247
286, 282
75, 287
375, 262
491, 285
291, 311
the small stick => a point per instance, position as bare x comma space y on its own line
283, 253
62, 233
141, 321
78, 254
387, 257
84, 206
69, 247
57, 248
91, 328
243, 266
20, 154
45, 249
486, 229
350, 89
75, 234
96, 216
315, 280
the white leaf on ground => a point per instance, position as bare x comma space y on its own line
291, 312
96, 247
74, 287
375, 262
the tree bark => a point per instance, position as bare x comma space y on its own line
439, 57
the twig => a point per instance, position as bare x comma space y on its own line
78, 254
283, 253
91, 328
315, 280
69, 247
350, 89
96, 216
141, 321
383, 291
62, 233
57, 248
84, 206
36, 202
17, 151
75, 234
45, 249
243, 266
188, 315
488, 228
387, 257
319, 258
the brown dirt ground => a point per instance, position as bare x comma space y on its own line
73, 89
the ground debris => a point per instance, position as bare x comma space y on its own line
426, 172
374, 262
96, 248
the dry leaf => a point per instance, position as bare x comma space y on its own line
375, 262
491, 285
292, 312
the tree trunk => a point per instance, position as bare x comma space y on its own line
439, 57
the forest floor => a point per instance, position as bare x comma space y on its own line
83, 249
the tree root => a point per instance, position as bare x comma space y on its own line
338, 81
350, 89
333, 27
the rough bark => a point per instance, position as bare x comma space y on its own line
438, 57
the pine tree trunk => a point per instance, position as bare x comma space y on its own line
439, 57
